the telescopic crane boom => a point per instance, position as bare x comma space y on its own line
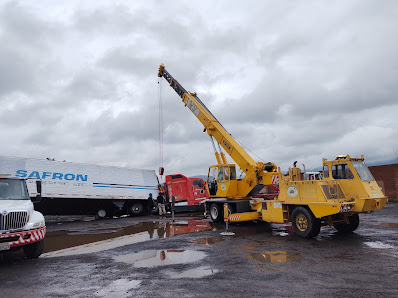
257, 174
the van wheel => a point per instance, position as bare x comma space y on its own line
215, 213
136, 208
352, 226
305, 224
34, 250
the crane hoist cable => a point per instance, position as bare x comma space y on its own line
248, 149
161, 168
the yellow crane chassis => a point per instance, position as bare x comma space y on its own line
279, 212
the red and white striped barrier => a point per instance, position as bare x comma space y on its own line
23, 238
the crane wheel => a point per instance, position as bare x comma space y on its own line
305, 224
347, 228
216, 213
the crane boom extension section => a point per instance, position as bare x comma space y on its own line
345, 188
257, 174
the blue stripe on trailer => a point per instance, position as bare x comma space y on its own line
128, 187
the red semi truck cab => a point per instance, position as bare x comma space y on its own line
189, 192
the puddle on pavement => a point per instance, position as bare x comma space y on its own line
119, 288
199, 272
59, 240
154, 258
341, 258
60, 219
252, 246
275, 257
207, 241
389, 224
378, 244
282, 233
282, 230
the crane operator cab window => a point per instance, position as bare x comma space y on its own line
363, 171
232, 173
212, 178
223, 174
326, 171
342, 171
220, 174
226, 173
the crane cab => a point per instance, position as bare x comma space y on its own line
355, 181
221, 180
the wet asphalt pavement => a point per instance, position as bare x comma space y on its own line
152, 257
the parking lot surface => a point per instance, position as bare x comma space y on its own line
153, 256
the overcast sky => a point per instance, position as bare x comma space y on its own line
290, 80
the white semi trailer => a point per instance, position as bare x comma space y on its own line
75, 188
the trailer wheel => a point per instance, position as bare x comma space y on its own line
352, 226
136, 208
216, 213
34, 250
100, 214
305, 224
155, 208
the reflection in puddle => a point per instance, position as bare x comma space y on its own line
119, 288
102, 231
199, 272
153, 258
274, 257
251, 247
389, 224
144, 231
378, 244
282, 229
280, 233
207, 241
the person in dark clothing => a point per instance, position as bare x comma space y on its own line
161, 206
150, 204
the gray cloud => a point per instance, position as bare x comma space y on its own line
290, 80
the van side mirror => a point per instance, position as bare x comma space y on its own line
36, 199
38, 186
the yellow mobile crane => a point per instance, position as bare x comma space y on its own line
347, 187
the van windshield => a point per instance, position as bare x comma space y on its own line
363, 171
13, 189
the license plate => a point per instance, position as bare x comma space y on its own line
4, 247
